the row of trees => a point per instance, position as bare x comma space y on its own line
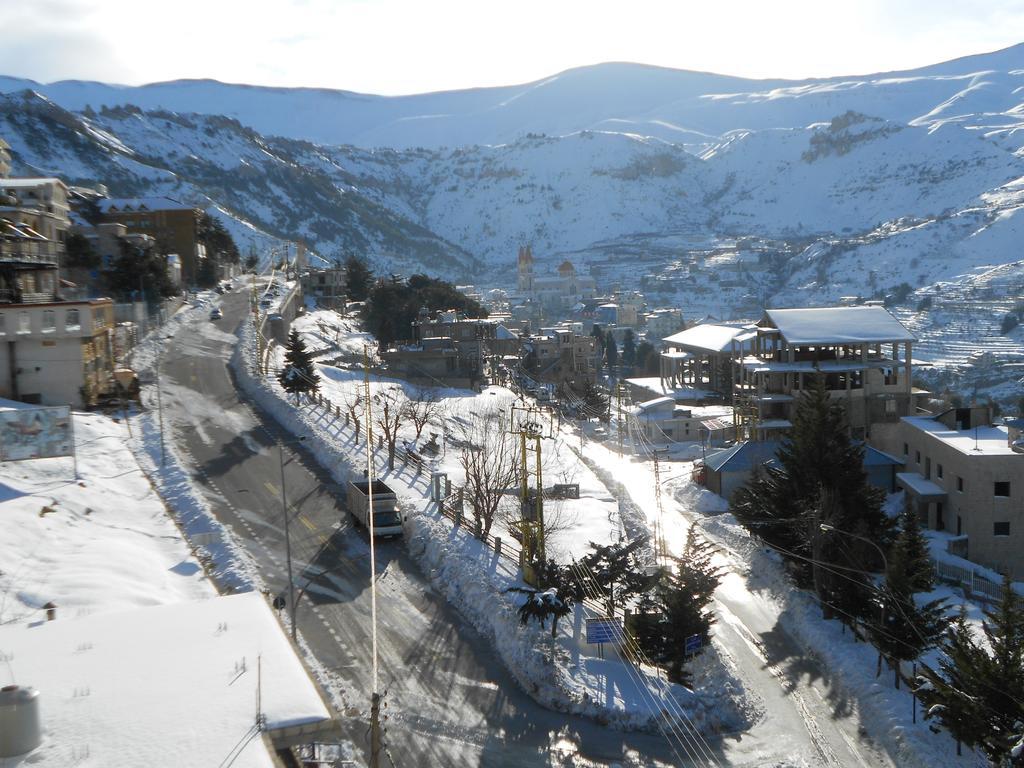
632, 355
816, 508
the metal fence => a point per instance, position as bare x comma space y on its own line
974, 584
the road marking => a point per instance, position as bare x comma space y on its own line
306, 522
270, 487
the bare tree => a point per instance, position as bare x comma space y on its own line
390, 406
354, 411
490, 460
424, 406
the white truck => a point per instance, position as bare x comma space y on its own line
387, 517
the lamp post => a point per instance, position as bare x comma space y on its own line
287, 535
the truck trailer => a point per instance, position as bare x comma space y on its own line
387, 516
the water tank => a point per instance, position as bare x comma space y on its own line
19, 720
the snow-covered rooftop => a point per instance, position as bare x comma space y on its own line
26, 183
983, 441
165, 685
837, 325
707, 337
134, 204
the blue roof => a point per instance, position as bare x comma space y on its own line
876, 458
743, 457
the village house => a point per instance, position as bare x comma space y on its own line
701, 357
965, 476
563, 353
662, 420
326, 286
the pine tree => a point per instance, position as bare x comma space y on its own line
903, 630
612, 573
819, 479
977, 694
542, 604
611, 350
598, 333
595, 402
358, 279
912, 550
678, 608
299, 373
629, 349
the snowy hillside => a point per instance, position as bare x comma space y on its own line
693, 108
715, 194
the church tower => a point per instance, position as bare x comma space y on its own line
525, 269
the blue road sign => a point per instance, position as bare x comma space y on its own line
603, 631
693, 644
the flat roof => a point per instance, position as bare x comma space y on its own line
918, 486
707, 337
165, 685
837, 325
983, 441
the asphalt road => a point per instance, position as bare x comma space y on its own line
450, 702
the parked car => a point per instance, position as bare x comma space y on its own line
216, 314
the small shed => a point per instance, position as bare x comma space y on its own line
881, 469
730, 469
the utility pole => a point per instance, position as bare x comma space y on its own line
160, 410
619, 396
660, 548
287, 539
376, 732
531, 500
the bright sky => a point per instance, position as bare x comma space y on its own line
411, 46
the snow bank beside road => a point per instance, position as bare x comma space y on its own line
473, 579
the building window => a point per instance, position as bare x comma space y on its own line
890, 407
906, 449
1002, 489
1001, 529
960, 484
71, 321
938, 471
49, 321
917, 457
24, 323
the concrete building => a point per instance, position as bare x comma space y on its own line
864, 353
663, 322
662, 420
327, 286
701, 357
563, 353
964, 476
52, 352
40, 204
173, 226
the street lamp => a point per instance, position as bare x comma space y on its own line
287, 536
826, 528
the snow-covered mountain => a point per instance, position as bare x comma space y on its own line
715, 193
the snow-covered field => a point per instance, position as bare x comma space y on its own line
474, 579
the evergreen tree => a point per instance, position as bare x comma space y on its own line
903, 630
611, 350
299, 374
595, 402
139, 269
977, 694
629, 349
819, 479
646, 357
541, 605
678, 608
612, 572
911, 550
598, 335
80, 253
358, 279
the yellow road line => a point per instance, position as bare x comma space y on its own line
306, 522
270, 487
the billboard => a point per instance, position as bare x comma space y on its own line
36, 433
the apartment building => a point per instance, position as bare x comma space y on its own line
965, 476
563, 352
173, 226
40, 206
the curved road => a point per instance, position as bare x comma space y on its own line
450, 702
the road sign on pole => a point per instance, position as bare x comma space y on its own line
603, 630
693, 644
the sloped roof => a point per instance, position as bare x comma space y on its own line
743, 457
707, 337
134, 204
876, 458
836, 325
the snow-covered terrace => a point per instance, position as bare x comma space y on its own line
165, 685
982, 441
838, 325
